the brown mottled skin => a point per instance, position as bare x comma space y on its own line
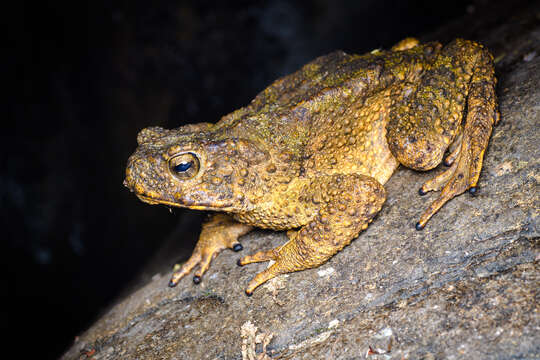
311, 153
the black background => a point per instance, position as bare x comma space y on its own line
83, 79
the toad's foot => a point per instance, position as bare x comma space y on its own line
219, 233
465, 166
351, 204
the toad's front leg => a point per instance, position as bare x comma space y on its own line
217, 234
343, 206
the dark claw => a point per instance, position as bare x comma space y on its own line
418, 226
421, 192
239, 262
248, 293
196, 279
238, 247
473, 190
172, 283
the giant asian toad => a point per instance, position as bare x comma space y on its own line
311, 153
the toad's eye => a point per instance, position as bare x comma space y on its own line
184, 166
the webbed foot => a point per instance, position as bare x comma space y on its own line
462, 175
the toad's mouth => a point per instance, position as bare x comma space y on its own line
152, 201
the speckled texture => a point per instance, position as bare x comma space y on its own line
311, 153
464, 287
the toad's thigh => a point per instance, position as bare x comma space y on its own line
424, 122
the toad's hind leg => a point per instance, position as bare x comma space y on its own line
348, 203
420, 132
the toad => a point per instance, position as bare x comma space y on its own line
311, 153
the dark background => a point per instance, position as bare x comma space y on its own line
84, 79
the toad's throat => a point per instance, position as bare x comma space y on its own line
153, 201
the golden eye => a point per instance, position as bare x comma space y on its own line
184, 166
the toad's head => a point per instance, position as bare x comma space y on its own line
194, 169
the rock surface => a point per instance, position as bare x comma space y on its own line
467, 286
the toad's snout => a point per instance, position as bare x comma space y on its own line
145, 175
